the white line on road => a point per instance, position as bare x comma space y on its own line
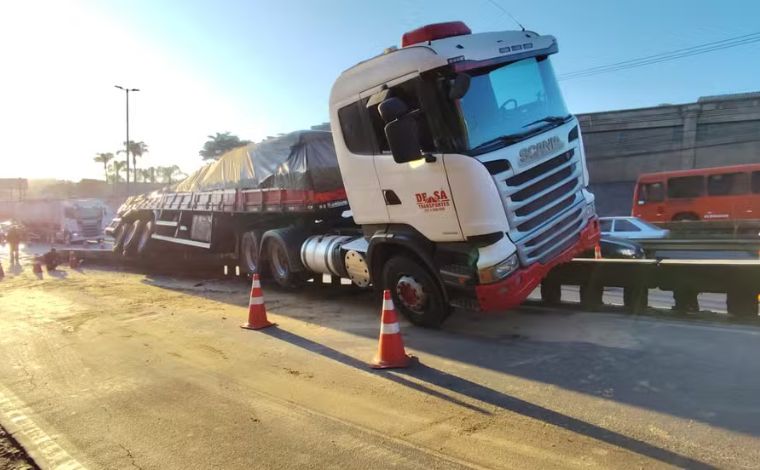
42, 448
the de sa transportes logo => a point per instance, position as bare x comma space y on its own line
438, 201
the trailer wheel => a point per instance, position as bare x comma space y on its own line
145, 242
118, 237
249, 258
132, 237
279, 265
415, 292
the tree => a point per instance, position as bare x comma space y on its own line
136, 149
168, 173
116, 168
149, 174
219, 144
104, 158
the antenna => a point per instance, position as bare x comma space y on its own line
493, 2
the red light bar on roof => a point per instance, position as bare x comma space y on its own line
434, 31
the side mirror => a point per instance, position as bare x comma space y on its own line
400, 130
459, 86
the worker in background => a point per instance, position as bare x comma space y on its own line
14, 239
51, 259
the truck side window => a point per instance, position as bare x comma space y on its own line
686, 186
356, 135
727, 183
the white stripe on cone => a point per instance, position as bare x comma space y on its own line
389, 328
256, 283
257, 301
388, 304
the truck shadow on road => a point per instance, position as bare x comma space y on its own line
446, 381
674, 368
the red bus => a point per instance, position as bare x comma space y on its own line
722, 193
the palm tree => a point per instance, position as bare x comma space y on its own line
137, 149
169, 172
148, 174
116, 167
104, 158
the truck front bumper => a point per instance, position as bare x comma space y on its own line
514, 289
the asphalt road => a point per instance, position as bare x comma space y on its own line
123, 370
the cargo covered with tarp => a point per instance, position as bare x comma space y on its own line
301, 160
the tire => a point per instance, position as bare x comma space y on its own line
279, 265
118, 237
132, 237
415, 292
249, 253
144, 241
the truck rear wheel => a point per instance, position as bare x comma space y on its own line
132, 237
279, 265
145, 242
415, 292
248, 257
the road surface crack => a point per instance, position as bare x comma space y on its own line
131, 457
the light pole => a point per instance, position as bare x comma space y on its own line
126, 91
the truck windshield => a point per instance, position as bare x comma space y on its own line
89, 212
511, 102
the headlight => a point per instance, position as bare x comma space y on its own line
499, 271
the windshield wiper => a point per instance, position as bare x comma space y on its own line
502, 139
550, 120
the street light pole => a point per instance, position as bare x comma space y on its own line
126, 91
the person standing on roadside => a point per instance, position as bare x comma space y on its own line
14, 239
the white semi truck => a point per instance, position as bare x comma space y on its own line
463, 181
58, 220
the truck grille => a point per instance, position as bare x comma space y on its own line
90, 230
537, 200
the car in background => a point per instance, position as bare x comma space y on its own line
631, 228
617, 248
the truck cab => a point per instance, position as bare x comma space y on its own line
457, 150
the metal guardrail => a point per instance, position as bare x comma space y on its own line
738, 279
748, 247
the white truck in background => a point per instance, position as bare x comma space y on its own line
58, 220
464, 172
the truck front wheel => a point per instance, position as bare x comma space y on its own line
415, 292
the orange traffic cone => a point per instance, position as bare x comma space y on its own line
257, 311
597, 251
390, 351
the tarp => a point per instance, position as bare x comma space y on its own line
303, 160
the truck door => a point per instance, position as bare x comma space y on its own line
415, 193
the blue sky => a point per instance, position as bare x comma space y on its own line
257, 68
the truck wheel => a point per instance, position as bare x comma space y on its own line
145, 242
248, 258
119, 235
132, 237
415, 292
279, 265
